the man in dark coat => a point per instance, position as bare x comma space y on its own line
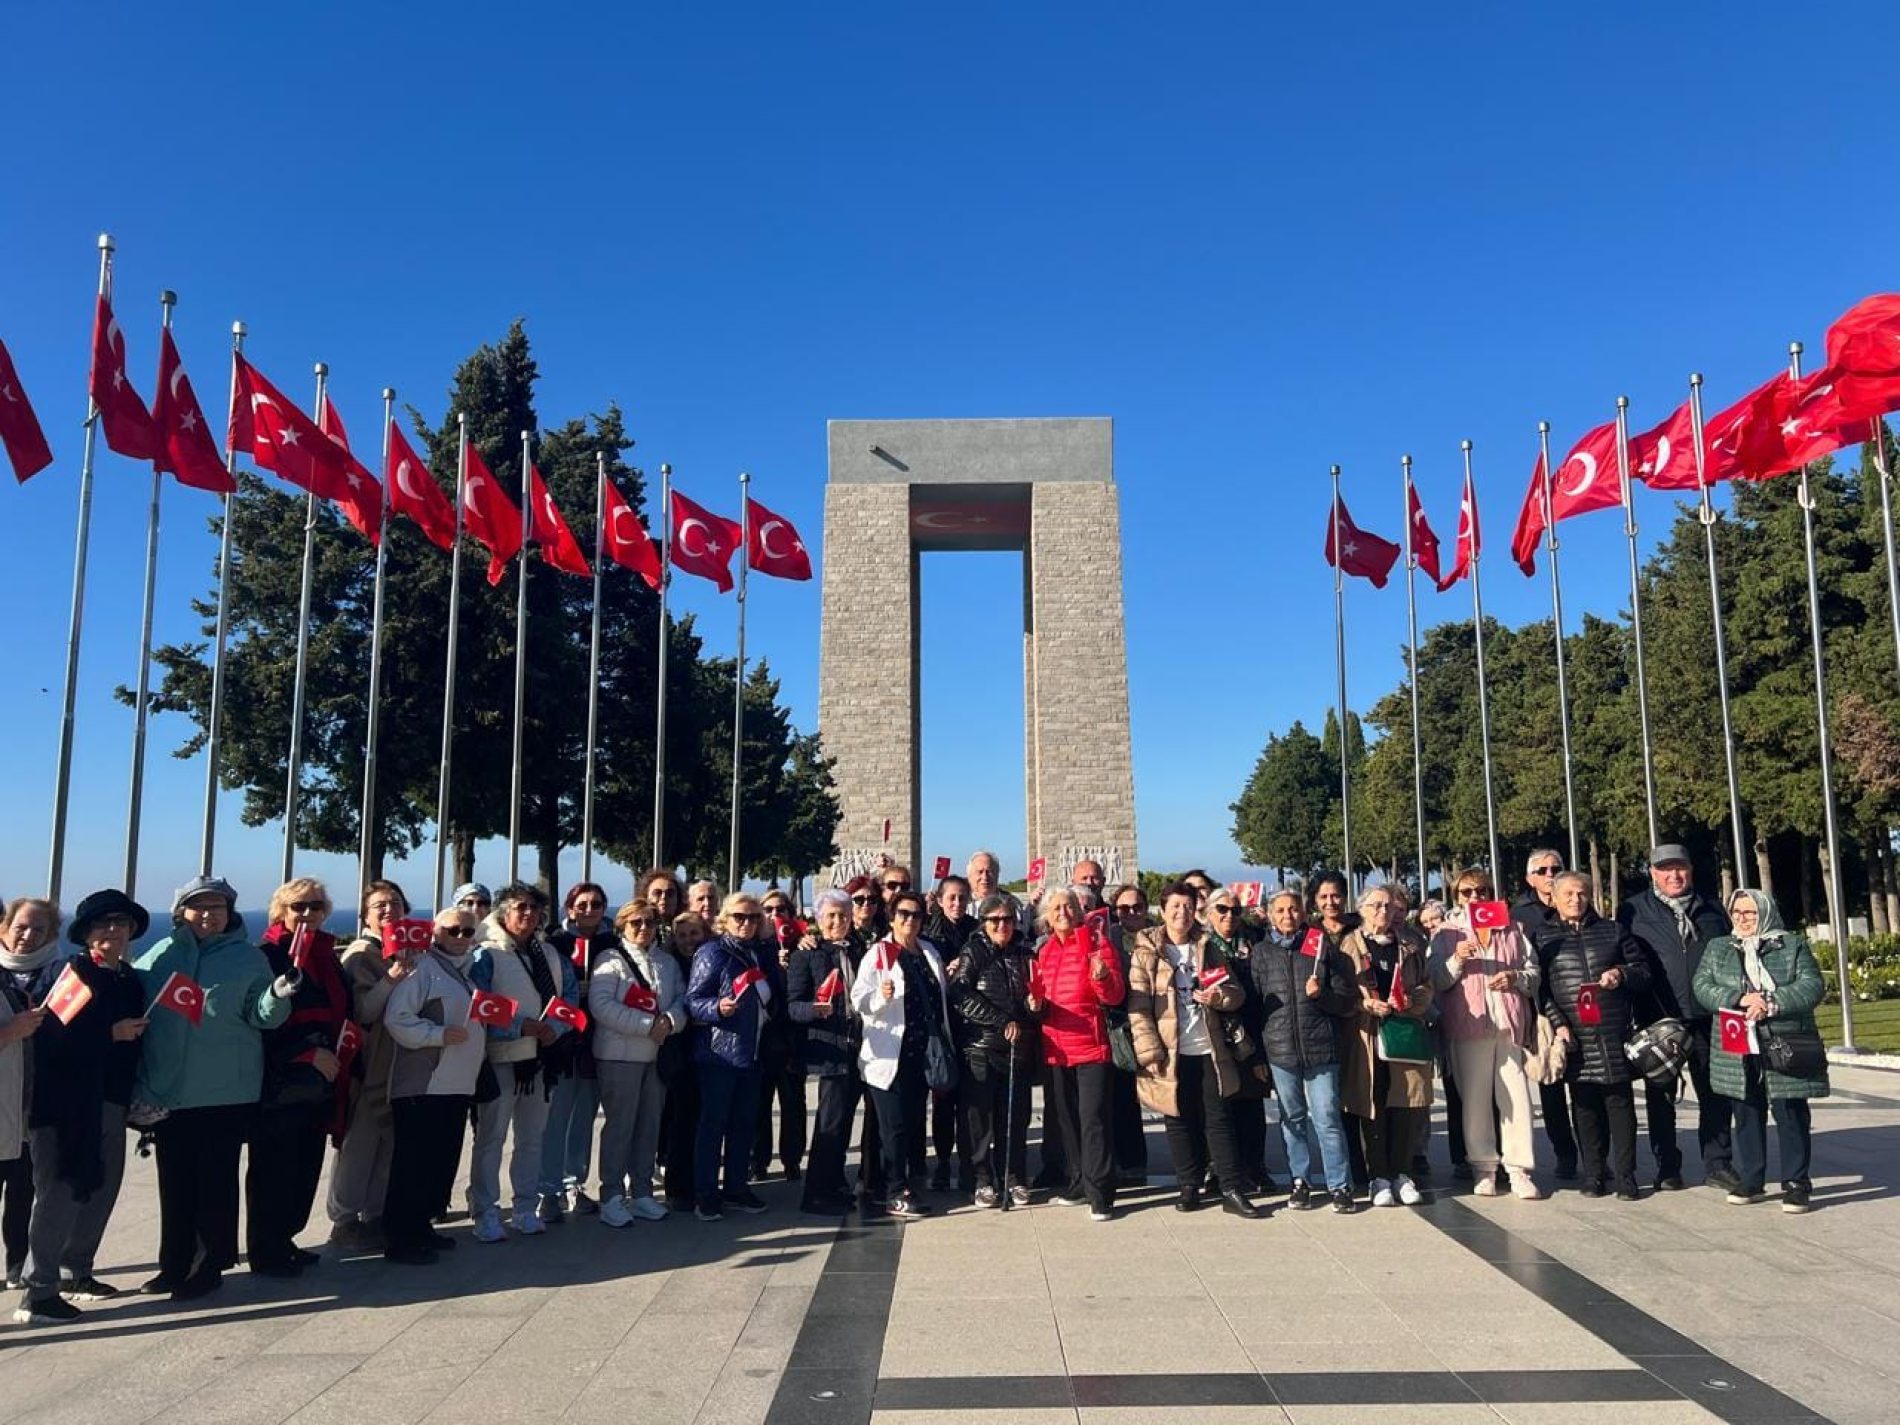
1532, 912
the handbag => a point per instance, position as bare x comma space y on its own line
1658, 1051
1121, 1040
1796, 1053
1404, 1040
1545, 1058
940, 1064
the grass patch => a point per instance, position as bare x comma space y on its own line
1876, 1024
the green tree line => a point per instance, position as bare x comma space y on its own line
1287, 815
787, 809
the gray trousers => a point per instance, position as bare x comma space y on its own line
527, 1113
632, 1097
359, 1175
64, 1237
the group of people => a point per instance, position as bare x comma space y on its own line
670, 1032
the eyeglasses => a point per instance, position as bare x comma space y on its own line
1466, 892
745, 917
456, 932
1220, 910
897, 885
305, 907
864, 900
1545, 870
998, 919
903, 915
643, 924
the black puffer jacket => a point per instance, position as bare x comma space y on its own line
1672, 962
826, 1045
1575, 956
1300, 1033
949, 935
987, 992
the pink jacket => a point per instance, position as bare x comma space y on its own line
1468, 1007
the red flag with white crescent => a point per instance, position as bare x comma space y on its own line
773, 546
122, 414
1466, 551
489, 515
363, 505
625, 538
703, 542
558, 545
182, 995
487, 1007
413, 491
1424, 541
69, 995
1664, 458
186, 447
20, 431
1358, 553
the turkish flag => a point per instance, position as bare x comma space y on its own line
942, 868
1725, 434
363, 506
746, 979
414, 492
20, 431
703, 542
627, 542
1864, 397
1397, 998
186, 448
1424, 542
489, 515
1589, 1011
1865, 339
832, 987
1735, 1034
1664, 458
127, 424
1588, 478
1782, 425
487, 1007
281, 438
69, 995
1038, 868
1214, 976
641, 998
407, 937
1312, 943
773, 546
1362, 554
1466, 553
349, 1043
1488, 917
559, 1011
183, 995
558, 545
299, 947
1035, 979
1530, 522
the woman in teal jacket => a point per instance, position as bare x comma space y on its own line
205, 1080
1768, 973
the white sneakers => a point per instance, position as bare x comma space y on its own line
1485, 1186
488, 1226
1382, 1193
614, 1213
529, 1223
1526, 1190
648, 1209
1409, 1193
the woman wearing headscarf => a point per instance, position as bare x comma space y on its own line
84, 1066
567, 1145
636, 999
359, 1179
1392, 1098
902, 997
1769, 974
205, 1079
827, 1031
302, 1102
29, 942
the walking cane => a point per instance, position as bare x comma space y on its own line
1009, 1124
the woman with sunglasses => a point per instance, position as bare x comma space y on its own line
1077, 973
567, 1147
867, 910
902, 996
1487, 997
990, 992
1392, 1098
359, 1179
303, 1102
826, 1034
730, 998
435, 1061
637, 1001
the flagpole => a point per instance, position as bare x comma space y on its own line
521, 665
1557, 624
1636, 613
364, 870
1886, 529
1411, 619
593, 668
738, 673
1484, 697
293, 783
1339, 639
448, 677
167, 299
62, 781
1706, 513
215, 723
1836, 894
659, 735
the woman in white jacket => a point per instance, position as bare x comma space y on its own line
637, 1000
903, 999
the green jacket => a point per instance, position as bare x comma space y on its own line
1720, 984
221, 1060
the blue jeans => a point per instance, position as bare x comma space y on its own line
728, 1116
569, 1143
1310, 1122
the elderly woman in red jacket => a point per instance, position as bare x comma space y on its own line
1077, 974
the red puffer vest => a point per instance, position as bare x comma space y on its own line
1073, 1029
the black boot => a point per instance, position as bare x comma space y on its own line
1190, 1200
1237, 1203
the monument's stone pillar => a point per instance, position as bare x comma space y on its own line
1046, 488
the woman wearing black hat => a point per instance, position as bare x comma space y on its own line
84, 1062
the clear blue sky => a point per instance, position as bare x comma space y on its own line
1263, 239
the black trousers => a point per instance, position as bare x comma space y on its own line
1713, 1114
783, 1079
1794, 1134
1203, 1130
280, 1185
1556, 1112
427, 1149
901, 1122
1606, 1117
946, 1136
990, 1111
1248, 1116
838, 1097
1356, 1148
16, 1181
1390, 1140
198, 1151
1131, 1142
679, 1129
1080, 1093
1054, 1172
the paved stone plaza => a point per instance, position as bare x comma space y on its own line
1676, 1309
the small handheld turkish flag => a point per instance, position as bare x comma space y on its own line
1589, 1011
407, 937
1737, 1035
773, 546
19, 428
1312, 943
1097, 920
414, 492
349, 1043
299, 947
625, 538
703, 542
1035, 979
1214, 976
746, 979
1365, 555
831, 988
487, 1007
941, 869
1487, 917
69, 995
182, 995
559, 1011
1397, 998
641, 998
128, 425
1038, 868
186, 446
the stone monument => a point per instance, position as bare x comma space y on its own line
1045, 488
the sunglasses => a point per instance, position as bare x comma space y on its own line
1131, 908
306, 906
897, 885
1545, 870
456, 932
1220, 910
998, 919
864, 900
903, 915
1466, 892
745, 917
